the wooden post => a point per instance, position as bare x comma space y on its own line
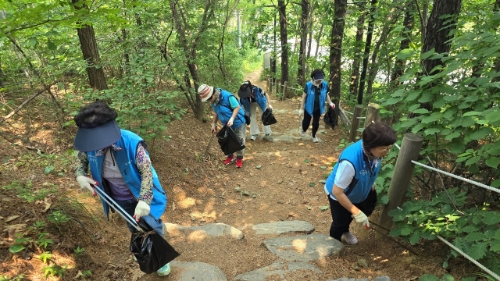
285, 91
372, 113
277, 86
410, 149
355, 122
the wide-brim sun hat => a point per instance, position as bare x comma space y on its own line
92, 137
244, 92
205, 92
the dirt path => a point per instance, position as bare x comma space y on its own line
280, 180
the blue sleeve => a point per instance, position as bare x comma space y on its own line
233, 102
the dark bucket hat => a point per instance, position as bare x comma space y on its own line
92, 137
244, 91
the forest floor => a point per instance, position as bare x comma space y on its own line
279, 181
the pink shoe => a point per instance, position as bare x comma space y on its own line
239, 162
229, 160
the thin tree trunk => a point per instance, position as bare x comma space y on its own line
369, 34
303, 40
88, 45
408, 24
284, 41
336, 49
392, 18
318, 39
358, 44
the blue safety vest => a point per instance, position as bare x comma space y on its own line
224, 111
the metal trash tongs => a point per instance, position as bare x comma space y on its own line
117, 208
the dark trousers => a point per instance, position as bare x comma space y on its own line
307, 120
342, 217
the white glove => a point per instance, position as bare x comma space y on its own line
332, 105
86, 183
362, 219
301, 111
270, 106
141, 210
214, 128
230, 122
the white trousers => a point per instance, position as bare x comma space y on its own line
254, 127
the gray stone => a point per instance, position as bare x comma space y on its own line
198, 271
211, 229
277, 268
348, 279
283, 227
304, 247
382, 278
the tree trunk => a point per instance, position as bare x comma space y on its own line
336, 49
391, 19
408, 24
190, 51
303, 40
284, 40
88, 45
358, 44
369, 34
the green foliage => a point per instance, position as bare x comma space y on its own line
58, 217
474, 231
42, 240
19, 243
19, 277
53, 270
45, 257
79, 251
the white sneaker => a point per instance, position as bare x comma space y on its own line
350, 238
164, 270
315, 139
254, 137
302, 133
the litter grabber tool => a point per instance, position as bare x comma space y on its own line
117, 208
383, 231
208, 146
150, 249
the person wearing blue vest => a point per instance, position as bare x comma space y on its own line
119, 166
252, 96
227, 109
351, 185
313, 102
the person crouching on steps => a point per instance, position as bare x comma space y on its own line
252, 96
313, 102
351, 185
120, 166
227, 109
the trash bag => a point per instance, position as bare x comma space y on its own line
331, 117
150, 249
228, 141
247, 118
268, 117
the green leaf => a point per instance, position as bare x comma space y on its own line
323, 167
406, 230
427, 54
421, 111
475, 236
478, 250
307, 161
311, 184
51, 46
452, 136
415, 237
492, 162
48, 169
447, 277
405, 54
495, 246
472, 160
480, 134
491, 218
16, 248
428, 277
324, 208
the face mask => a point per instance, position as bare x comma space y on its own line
317, 82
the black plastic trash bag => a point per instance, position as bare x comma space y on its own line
331, 117
150, 249
228, 141
247, 119
268, 117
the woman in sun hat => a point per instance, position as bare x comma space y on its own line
350, 186
119, 165
313, 102
252, 96
227, 109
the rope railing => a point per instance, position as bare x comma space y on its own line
491, 273
454, 176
